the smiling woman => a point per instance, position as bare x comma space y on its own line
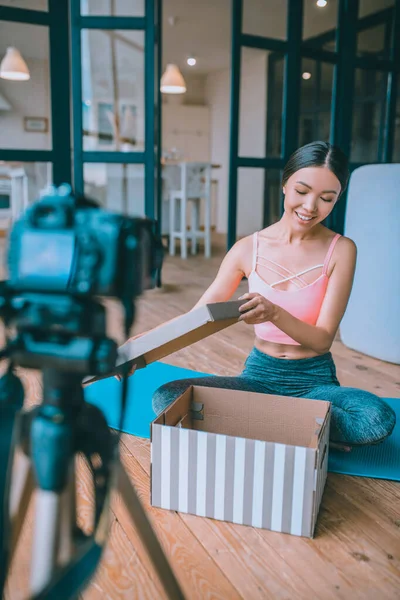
300, 277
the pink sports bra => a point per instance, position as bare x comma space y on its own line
304, 303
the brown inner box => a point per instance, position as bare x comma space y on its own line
279, 419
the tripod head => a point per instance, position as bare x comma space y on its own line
65, 255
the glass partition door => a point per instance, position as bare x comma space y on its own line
302, 73
115, 74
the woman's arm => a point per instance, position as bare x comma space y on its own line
318, 337
225, 283
232, 270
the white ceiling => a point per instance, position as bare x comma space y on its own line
31, 40
202, 28
32, 4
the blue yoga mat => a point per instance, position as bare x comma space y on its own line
380, 462
106, 394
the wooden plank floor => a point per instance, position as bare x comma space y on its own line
356, 551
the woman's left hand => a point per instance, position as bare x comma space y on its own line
257, 310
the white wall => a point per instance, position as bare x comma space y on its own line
185, 121
195, 94
251, 140
28, 99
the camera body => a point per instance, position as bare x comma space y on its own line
61, 245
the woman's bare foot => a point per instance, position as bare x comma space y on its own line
341, 447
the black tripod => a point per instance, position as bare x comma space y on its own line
49, 436
64, 255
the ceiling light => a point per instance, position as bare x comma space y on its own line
306, 75
13, 66
191, 61
172, 81
322, 3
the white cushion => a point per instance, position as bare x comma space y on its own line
371, 324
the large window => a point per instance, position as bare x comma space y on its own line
307, 71
113, 90
260, 127
369, 112
115, 74
113, 8
315, 100
117, 187
35, 140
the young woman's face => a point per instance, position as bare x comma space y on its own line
310, 195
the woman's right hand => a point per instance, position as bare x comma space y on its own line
119, 376
131, 371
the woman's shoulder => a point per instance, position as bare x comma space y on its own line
241, 254
345, 246
344, 243
245, 244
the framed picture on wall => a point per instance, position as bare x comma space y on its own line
36, 124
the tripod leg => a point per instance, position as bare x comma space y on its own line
147, 535
20, 495
67, 524
46, 536
52, 453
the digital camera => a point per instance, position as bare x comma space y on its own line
68, 246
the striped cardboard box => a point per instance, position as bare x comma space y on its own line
263, 484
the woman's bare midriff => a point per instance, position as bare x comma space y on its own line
290, 352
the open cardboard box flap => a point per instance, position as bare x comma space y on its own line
174, 335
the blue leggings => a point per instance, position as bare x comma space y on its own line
358, 417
